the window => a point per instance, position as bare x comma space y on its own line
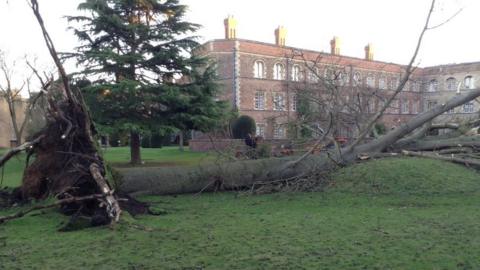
294, 102
278, 72
468, 82
279, 132
329, 74
394, 82
393, 108
296, 73
259, 70
313, 75
415, 107
451, 84
431, 104
342, 78
371, 106
468, 107
414, 86
405, 106
357, 79
260, 131
370, 81
259, 100
433, 86
451, 111
382, 83
406, 86
278, 102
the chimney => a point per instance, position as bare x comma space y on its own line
280, 36
230, 28
369, 52
335, 46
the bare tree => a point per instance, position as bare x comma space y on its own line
20, 108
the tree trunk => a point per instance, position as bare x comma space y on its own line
180, 141
135, 155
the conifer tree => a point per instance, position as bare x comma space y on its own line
136, 51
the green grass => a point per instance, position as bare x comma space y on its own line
386, 214
12, 171
119, 157
165, 156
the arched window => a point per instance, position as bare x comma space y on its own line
357, 79
278, 72
451, 84
296, 73
313, 75
382, 83
370, 81
433, 86
469, 82
394, 82
259, 69
342, 78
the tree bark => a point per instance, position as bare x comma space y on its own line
135, 155
180, 141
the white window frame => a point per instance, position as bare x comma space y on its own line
451, 84
370, 81
415, 107
432, 86
279, 101
296, 70
468, 82
279, 132
259, 69
342, 78
357, 79
259, 102
260, 130
313, 75
405, 109
469, 107
382, 83
278, 72
394, 82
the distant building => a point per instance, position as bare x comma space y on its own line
7, 135
258, 78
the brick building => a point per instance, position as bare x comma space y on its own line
262, 80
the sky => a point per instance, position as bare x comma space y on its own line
392, 26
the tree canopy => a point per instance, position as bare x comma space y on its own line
138, 54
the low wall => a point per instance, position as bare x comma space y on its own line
203, 145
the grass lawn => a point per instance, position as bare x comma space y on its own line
165, 156
386, 214
119, 157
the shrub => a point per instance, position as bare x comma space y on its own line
242, 126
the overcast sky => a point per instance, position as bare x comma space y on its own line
391, 25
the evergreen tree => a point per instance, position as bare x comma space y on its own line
136, 50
